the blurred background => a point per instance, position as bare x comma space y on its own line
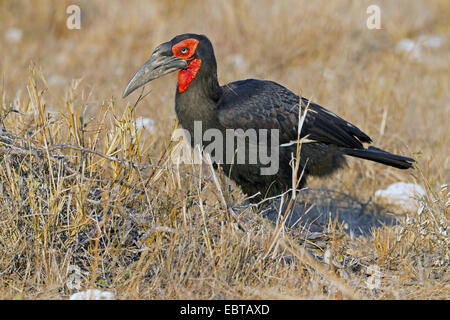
392, 82
65, 86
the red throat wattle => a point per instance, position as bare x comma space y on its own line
185, 76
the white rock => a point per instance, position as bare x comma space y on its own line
411, 47
239, 61
403, 194
431, 41
13, 35
414, 47
146, 123
92, 294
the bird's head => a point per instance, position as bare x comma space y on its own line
186, 53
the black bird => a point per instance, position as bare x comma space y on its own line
257, 104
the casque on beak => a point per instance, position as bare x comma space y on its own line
160, 63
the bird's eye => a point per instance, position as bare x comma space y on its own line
184, 50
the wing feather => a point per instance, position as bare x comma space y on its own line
257, 104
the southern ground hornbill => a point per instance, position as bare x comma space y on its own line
257, 104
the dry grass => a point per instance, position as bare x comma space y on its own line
87, 192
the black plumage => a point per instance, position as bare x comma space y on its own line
257, 104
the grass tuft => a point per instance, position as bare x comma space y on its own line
90, 198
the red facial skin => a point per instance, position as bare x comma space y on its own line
186, 49
187, 75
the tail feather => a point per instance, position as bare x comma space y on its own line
381, 156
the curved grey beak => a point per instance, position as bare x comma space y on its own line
160, 63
